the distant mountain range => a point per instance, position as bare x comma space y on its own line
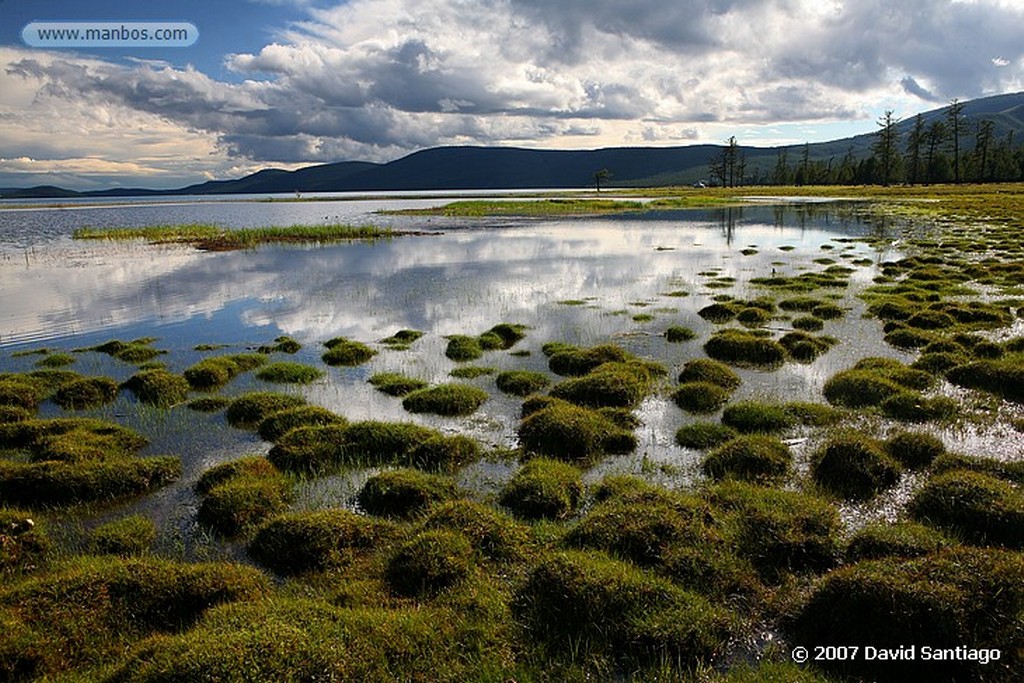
486, 168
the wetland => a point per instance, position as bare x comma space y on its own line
635, 437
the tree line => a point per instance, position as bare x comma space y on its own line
929, 153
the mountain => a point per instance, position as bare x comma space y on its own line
486, 168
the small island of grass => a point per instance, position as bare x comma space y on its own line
216, 238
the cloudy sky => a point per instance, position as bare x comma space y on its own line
287, 83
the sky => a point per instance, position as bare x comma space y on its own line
290, 83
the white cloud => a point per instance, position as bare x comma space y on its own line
373, 79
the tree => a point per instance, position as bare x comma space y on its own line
603, 174
728, 167
780, 174
982, 148
953, 114
934, 137
885, 148
914, 143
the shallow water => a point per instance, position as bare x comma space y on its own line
63, 294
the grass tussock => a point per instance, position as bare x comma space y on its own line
609, 385
754, 458
395, 383
85, 393
704, 435
279, 423
544, 489
942, 600
979, 508
289, 373
568, 432
24, 541
159, 388
126, 537
241, 494
248, 410
853, 466
298, 542
404, 493
744, 349
700, 398
449, 400
571, 361
282, 344
215, 372
89, 610
493, 534
341, 351
430, 562
522, 382
616, 610
901, 539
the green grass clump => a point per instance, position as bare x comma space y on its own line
616, 610
509, 335
754, 458
570, 361
299, 542
341, 351
704, 435
88, 611
980, 508
283, 344
404, 493
803, 347
914, 449
609, 385
63, 483
808, 323
131, 535
88, 392
241, 494
707, 370
700, 397
444, 453
279, 423
853, 466
20, 392
758, 416
1004, 378
462, 348
813, 414
719, 313
521, 382
859, 388
753, 316
71, 439
902, 539
430, 562
55, 360
301, 639
320, 449
137, 351
907, 338
1010, 470
158, 387
544, 489
740, 348
211, 373
911, 406
493, 534
641, 523
450, 400
24, 542
247, 411
568, 432
289, 373
395, 383
678, 333
943, 599
402, 339
471, 371
779, 532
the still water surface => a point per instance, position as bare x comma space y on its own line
471, 275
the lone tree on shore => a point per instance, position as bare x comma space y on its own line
603, 174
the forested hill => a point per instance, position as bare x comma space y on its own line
482, 168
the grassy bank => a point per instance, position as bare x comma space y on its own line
216, 238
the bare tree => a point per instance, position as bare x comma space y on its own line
953, 114
603, 174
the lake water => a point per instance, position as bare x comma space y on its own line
473, 274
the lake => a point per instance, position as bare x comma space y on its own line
581, 281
